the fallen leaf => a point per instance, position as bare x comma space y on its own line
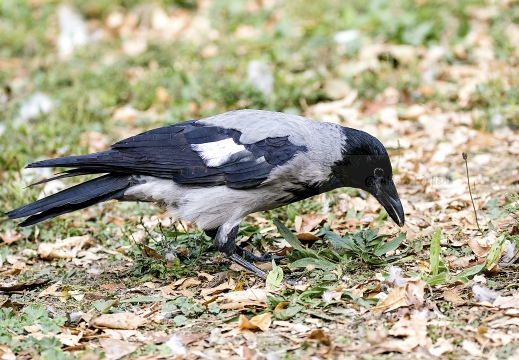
440, 347
32, 328
66, 249
259, 322
310, 221
69, 339
23, 286
396, 298
10, 236
243, 295
472, 348
307, 237
414, 329
115, 349
320, 336
453, 297
281, 305
228, 285
6, 353
236, 305
125, 321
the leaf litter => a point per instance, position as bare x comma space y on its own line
439, 287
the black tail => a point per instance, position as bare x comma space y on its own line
101, 189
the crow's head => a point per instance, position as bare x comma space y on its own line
365, 165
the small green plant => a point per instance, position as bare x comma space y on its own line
366, 246
12, 325
440, 274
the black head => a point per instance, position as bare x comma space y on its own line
365, 165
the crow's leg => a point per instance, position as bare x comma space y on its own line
224, 241
266, 257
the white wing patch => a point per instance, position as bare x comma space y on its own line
217, 153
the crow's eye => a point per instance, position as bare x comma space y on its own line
379, 172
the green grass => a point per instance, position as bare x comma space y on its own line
296, 39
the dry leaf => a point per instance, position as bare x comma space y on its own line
396, 298
259, 295
440, 347
23, 286
236, 305
69, 339
320, 336
32, 328
414, 330
281, 305
67, 248
115, 349
10, 236
228, 285
477, 248
453, 297
307, 237
6, 353
259, 322
124, 321
472, 348
507, 302
310, 221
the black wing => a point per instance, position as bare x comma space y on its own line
188, 153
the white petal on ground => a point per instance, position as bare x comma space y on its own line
395, 276
175, 346
346, 36
73, 31
260, 76
484, 294
327, 297
36, 105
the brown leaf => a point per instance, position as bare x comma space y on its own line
115, 349
146, 251
112, 286
228, 285
237, 305
472, 348
12, 305
477, 248
32, 328
411, 294
67, 248
23, 286
243, 295
396, 298
307, 237
453, 297
310, 221
440, 347
10, 236
185, 283
281, 305
259, 322
414, 331
320, 336
6, 353
124, 321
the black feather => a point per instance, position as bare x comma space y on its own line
77, 197
167, 153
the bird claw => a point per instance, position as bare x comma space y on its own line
266, 257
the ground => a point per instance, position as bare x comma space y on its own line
436, 82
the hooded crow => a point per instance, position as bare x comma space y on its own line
217, 170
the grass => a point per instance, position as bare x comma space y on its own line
205, 76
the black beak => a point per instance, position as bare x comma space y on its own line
387, 196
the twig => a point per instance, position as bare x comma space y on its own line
470, 191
